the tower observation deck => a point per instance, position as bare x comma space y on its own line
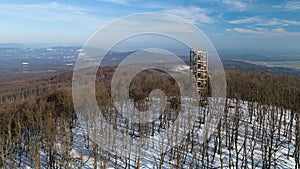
199, 69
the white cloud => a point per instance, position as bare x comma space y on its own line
293, 5
265, 31
245, 20
228, 30
272, 22
265, 22
160, 23
121, 2
278, 22
290, 6
291, 22
261, 29
243, 30
52, 12
193, 14
235, 4
281, 31
155, 5
45, 12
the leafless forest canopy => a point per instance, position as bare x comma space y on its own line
261, 118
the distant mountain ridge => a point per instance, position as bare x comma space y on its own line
13, 55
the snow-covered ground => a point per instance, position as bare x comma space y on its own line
246, 131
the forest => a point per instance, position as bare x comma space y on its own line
260, 126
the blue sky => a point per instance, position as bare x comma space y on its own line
229, 24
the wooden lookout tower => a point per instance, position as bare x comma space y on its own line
199, 69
